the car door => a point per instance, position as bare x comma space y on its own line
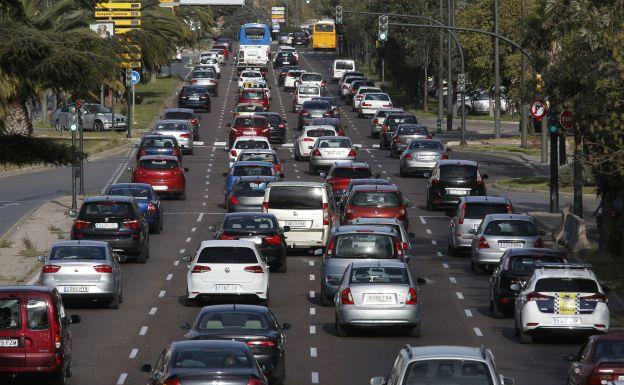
39, 332
159, 372
88, 116
575, 370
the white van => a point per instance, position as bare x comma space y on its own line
305, 93
308, 208
340, 67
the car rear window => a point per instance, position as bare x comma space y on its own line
108, 208
248, 222
334, 122
305, 90
412, 130
526, 264
567, 285
319, 133
258, 157
37, 313
334, 143
77, 252
344, 65
195, 90
273, 119
197, 357
10, 313
130, 192
171, 127
251, 145
378, 274
609, 351
253, 95
296, 198
454, 371
311, 77
233, 320
158, 164
457, 171
249, 108
507, 228
376, 199
294, 74
247, 121
480, 210
251, 188
227, 254
203, 75
158, 143
394, 121
252, 170
367, 90
350, 172
316, 105
425, 145
178, 115
364, 246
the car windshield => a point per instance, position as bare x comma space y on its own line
253, 74
233, 320
202, 75
334, 122
320, 132
252, 170
307, 90
311, 77
254, 33
294, 74
456, 372
158, 143
344, 65
566, 285
249, 223
108, 208
211, 358
246, 188
426, 145
508, 228
609, 351
334, 143
316, 105
248, 121
296, 198
77, 252
130, 192
526, 264
365, 90
259, 157
352, 173
10, 313
252, 95
480, 210
405, 129
179, 115
376, 199
251, 145
173, 126
97, 109
378, 274
458, 171
227, 254
195, 90
364, 246
332, 101
158, 164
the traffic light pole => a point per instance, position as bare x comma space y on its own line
81, 156
578, 173
554, 174
73, 171
450, 100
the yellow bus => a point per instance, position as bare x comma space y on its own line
324, 35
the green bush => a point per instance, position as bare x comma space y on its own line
566, 176
21, 150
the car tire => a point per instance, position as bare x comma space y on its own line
477, 268
453, 252
114, 304
525, 338
266, 301
182, 196
311, 171
155, 228
430, 206
341, 330
59, 378
393, 154
278, 379
297, 156
142, 257
402, 173
416, 331
98, 126
190, 152
283, 267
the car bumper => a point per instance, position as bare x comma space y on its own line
463, 241
273, 256
327, 163
418, 166
95, 290
379, 317
121, 126
198, 289
278, 134
125, 245
200, 105
306, 238
245, 208
375, 130
485, 257
368, 111
55, 361
398, 147
545, 321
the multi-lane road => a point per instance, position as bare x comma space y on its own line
110, 345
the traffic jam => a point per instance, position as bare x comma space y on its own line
298, 176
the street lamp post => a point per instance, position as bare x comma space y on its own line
450, 102
497, 101
440, 84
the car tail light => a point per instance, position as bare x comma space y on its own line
151, 208
404, 245
47, 269
282, 125
182, 95
509, 208
412, 297
352, 152
330, 247
200, 269
265, 206
345, 297
323, 84
539, 243
103, 269
483, 244
365, 104
325, 214
233, 200
328, 114
80, 224
142, 152
304, 113
444, 156
359, 97
316, 152
203, 97
308, 140
133, 225
233, 152
273, 240
261, 344
194, 121
460, 220
256, 269
278, 167
408, 157
435, 181
597, 377
375, 122
536, 296
598, 297
193, 81
175, 152
185, 136
255, 381
388, 105
226, 237
428, 137
396, 139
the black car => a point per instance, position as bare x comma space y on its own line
158, 145
254, 325
205, 362
117, 220
451, 179
333, 102
390, 126
282, 74
195, 97
300, 38
284, 58
311, 109
516, 266
264, 229
277, 126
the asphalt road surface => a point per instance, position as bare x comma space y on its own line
110, 345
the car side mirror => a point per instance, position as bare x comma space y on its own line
318, 252
411, 235
286, 326
472, 231
285, 229
131, 169
184, 325
409, 204
507, 380
75, 319
225, 174
448, 149
41, 258
420, 281
515, 287
212, 228
568, 357
187, 258
323, 174
146, 368
186, 169
122, 258
228, 125
484, 176
73, 213
377, 381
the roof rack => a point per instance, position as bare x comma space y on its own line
408, 348
567, 266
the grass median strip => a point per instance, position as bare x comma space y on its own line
539, 183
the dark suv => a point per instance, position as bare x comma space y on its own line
195, 97
277, 125
390, 126
117, 220
451, 179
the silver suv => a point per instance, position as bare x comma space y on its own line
443, 365
470, 212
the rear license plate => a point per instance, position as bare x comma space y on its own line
257, 241
426, 157
453, 191
284, 62
224, 288
620, 378
296, 223
193, 97
509, 245
379, 299
107, 226
159, 188
250, 133
76, 289
9, 343
567, 320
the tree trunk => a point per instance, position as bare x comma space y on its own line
425, 94
16, 120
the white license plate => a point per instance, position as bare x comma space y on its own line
9, 343
509, 245
567, 320
373, 299
257, 241
284, 62
76, 289
295, 223
193, 97
620, 378
250, 133
159, 188
452, 191
224, 288
427, 157
108, 226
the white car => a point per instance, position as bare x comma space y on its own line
259, 83
371, 102
359, 95
286, 48
220, 56
303, 94
208, 54
306, 141
341, 66
245, 143
311, 79
249, 76
560, 298
227, 269
290, 81
213, 62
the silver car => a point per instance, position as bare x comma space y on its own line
478, 104
184, 114
404, 134
470, 212
406, 237
94, 118
379, 118
178, 128
421, 156
499, 232
378, 294
328, 150
207, 79
84, 270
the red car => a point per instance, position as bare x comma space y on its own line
250, 125
34, 331
163, 172
376, 201
600, 360
342, 173
254, 96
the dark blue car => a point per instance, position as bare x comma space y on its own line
246, 168
158, 145
146, 199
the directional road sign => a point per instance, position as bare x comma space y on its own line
107, 14
135, 77
111, 5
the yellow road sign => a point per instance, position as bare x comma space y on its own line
126, 23
131, 64
117, 14
169, 1
111, 5
121, 31
131, 56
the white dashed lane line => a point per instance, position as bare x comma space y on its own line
434, 242
311, 294
311, 277
182, 251
161, 294
452, 280
315, 378
176, 263
312, 311
312, 329
422, 220
313, 352
477, 331
459, 295
429, 231
468, 313
445, 265
122, 378
153, 311
133, 353
439, 253
188, 239
311, 263
143, 330
169, 277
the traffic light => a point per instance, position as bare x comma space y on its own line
128, 77
74, 116
339, 14
538, 83
383, 28
553, 123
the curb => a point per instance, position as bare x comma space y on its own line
499, 186
20, 221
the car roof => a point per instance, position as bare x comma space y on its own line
267, 113
351, 165
376, 229
251, 116
541, 272
116, 198
446, 351
333, 137
376, 187
372, 181
160, 121
458, 162
25, 288
381, 263
129, 185
258, 151
234, 307
510, 216
178, 109
80, 243
158, 157
157, 136
227, 243
485, 199
318, 127
252, 163
251, 139
535, 252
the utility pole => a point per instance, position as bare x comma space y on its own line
81, 154
523, 107
497, 101
450, 102
578, 172
563, 157
553, 129
440, 85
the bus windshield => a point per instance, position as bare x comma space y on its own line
324, 28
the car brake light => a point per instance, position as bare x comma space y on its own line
509, 208
352, 152
460, 220
273, 240
185, 135
404, 246
233, 152
79, 224
226, 237
103, 268
598, 378
261, 344
47, 269
444, 156
172, 381
316, 152
254, 381
330, 247
304, 113
200, 269
408, 157
193, 81
375, 122
535, 296
265, 206
345, 297
194, 121
308, 140
412, 297
539, 243
598, 297
325, 214
483, 244
359, 97
278, 167
133, 225
151, 208
256, 269
435, 181
233, 200
364, 104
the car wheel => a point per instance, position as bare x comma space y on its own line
525, 338
142, 257
478, 268
191, 151
393, 154
59, 378
453, 252
182, 197
121, 294
114, 304
311, 171
283, 267
430, 206
416, 331
98, 126
297, 156
266, 301
341, 330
